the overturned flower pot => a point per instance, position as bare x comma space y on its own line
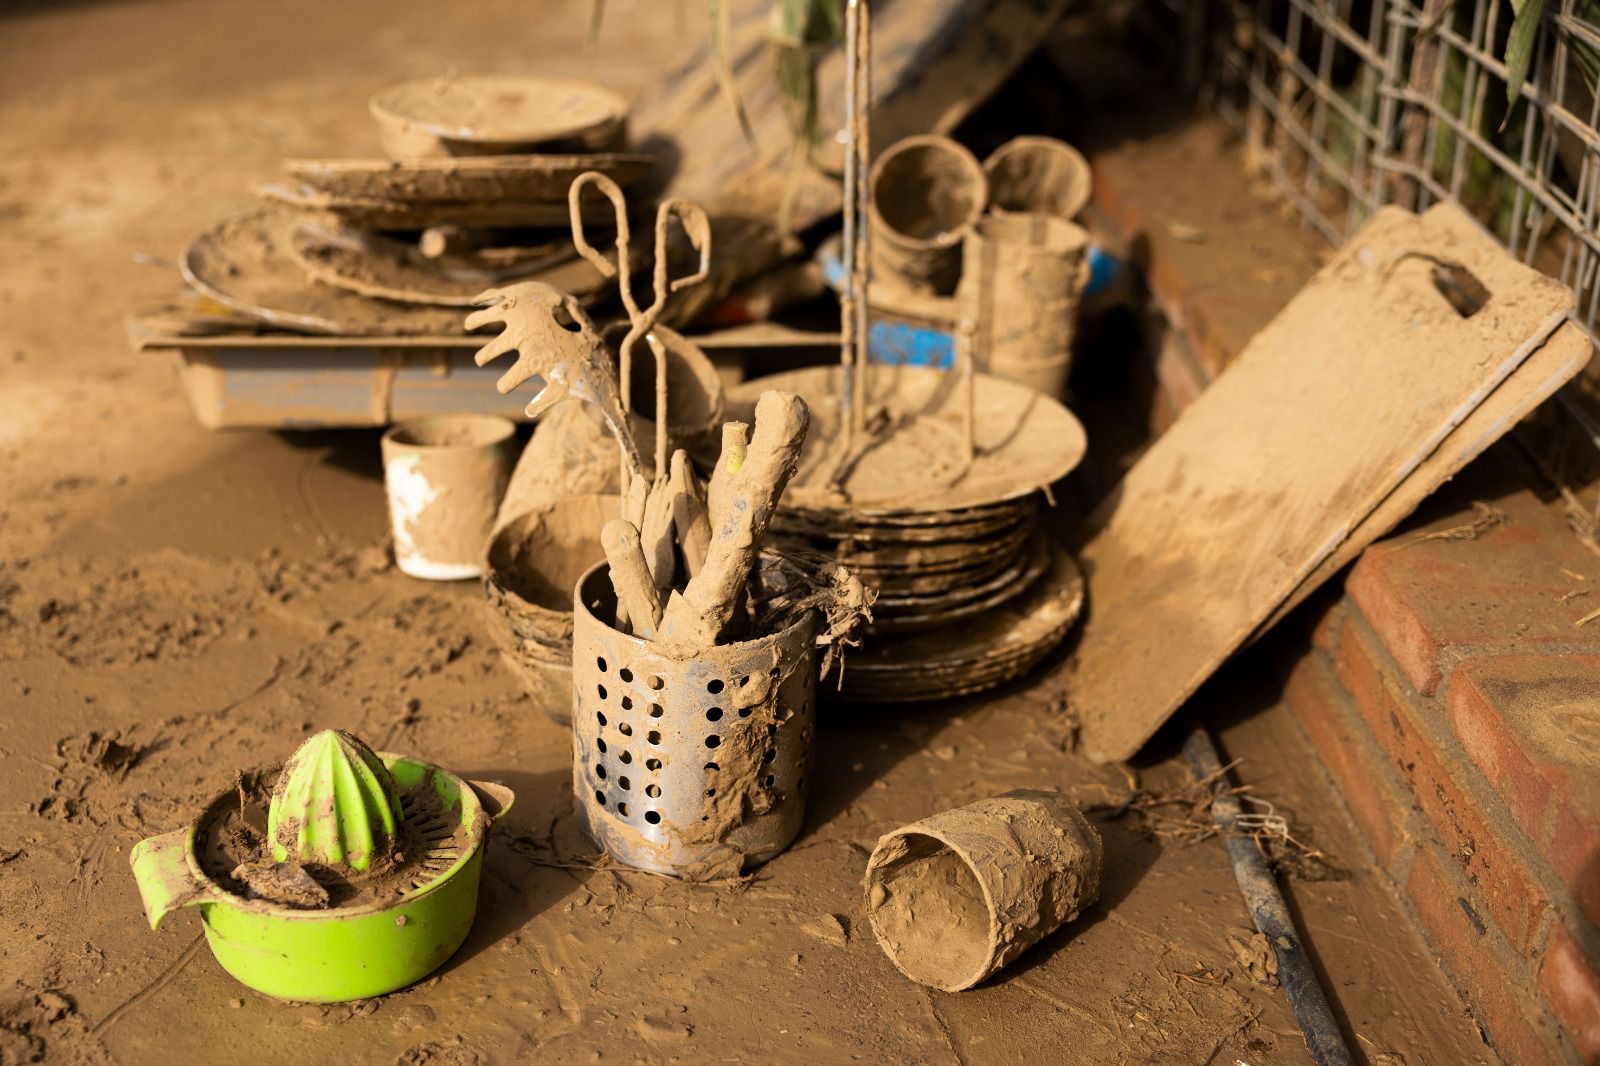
959, 895
344, 874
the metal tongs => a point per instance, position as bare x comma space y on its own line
697, 227
555, 341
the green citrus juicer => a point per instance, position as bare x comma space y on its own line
366, 879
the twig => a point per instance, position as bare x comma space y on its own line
1196, 820
160, 981
1488, 518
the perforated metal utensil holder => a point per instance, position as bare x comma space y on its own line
692, 767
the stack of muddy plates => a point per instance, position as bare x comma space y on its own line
928, 569
971, 592
1001, 644
340, 299
473, 196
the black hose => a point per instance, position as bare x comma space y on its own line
1321, 1030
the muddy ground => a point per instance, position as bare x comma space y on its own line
176, 604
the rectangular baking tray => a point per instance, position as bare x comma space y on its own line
290, 381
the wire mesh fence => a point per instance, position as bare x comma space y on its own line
1351, 104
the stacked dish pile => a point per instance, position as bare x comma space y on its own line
972, 592
472, 196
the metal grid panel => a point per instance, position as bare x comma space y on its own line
1350, 104
1303, 84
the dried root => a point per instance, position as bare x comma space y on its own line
1184, 816
800, 581
1489, 516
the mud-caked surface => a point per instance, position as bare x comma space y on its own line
176, 605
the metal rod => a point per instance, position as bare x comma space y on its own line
863, 264
849, 297
1320, 1028
662, 411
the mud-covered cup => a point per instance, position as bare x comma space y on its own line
1038, 176
1022, 279
926, 193
958, 895
444, 477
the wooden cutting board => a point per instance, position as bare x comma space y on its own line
1556, 362
1328, 410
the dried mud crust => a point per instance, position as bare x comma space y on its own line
915, 464
930, 913
232, 847
165, 607
245, 263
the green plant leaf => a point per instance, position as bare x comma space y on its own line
1519, 47
1583, 52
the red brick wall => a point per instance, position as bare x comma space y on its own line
1456, 704
1450, 691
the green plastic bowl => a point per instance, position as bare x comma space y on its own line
343, 953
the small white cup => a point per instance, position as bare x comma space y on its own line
444, 477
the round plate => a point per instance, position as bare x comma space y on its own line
388, 269
364, 212
924, 573
911, 613
244, 263
867, 534
975, 654
1025, 441
464, 178
500, 109
932, 558
848, 523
